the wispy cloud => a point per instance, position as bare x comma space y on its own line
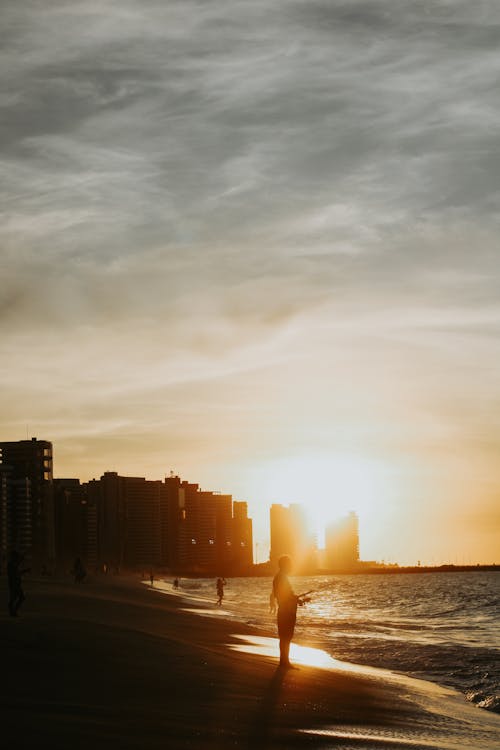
219, 203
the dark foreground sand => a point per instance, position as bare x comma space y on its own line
110, 664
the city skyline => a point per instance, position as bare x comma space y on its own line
26, 465
257, 244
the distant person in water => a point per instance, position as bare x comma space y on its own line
151, 577
221, 582
14, 576
176, 583
287, 608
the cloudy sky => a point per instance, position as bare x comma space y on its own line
256, 242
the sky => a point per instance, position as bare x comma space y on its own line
256, 243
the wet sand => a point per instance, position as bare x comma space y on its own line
111, 664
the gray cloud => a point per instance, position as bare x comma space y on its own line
217, 188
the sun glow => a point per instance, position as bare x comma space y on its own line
327, 486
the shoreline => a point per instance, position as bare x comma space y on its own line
265, 569
107, 664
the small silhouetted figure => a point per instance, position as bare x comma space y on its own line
78, 571
287, 608
176, 583
151, 577
14, 575
221, 582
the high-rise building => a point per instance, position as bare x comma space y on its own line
143, 504
203, 536
32, 507
75, 523
342, 543
242, 537
290, 535
181, 536
16, 521
129, 520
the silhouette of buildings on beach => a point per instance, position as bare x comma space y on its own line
121, 522
116, 522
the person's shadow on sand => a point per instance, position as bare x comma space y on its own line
265, 719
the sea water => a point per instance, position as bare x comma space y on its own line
442, 627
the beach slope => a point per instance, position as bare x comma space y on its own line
110, 664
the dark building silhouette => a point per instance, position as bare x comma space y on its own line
28, 500
116, 521
202, 535
180, 524
75, 524
15, 515
242, 537
129, 520
342, 543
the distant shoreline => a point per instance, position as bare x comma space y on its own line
266, 570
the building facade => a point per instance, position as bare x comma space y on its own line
203, 534
242, 536
290, 535
75, 524
342, 543
128, 520
29, 510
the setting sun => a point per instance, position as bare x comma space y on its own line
328, 486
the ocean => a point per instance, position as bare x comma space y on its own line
442, 627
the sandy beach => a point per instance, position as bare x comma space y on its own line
112, 664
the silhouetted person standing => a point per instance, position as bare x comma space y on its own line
14, 576
220, 590
287, 608
78, 571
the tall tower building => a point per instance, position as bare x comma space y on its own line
129, 520
203, 535
342, 543
29, 465
242, 537
75, 522
290, 536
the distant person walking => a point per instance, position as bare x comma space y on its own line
287, 608
221, 582
14, 576
78, 571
